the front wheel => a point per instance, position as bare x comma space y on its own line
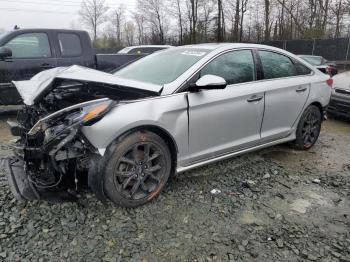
309, 128
137, 169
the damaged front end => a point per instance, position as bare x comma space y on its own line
52, 158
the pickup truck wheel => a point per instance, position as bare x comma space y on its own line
309, 128
137, 170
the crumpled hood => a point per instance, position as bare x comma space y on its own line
31, 89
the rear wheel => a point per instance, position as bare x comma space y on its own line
138, 169
309, 128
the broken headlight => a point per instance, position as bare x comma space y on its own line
92, 113
86, 113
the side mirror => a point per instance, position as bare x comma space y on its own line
5, 52
209, 82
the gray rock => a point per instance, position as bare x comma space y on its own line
241, 248
304, 253
3, 254
280, 243
312, 257
336, 254
267, 176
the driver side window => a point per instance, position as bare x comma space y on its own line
235, 67
30, 45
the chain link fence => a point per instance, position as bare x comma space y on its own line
337, 50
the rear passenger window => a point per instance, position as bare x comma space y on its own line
301, 69
235, 67
70, 44
276, 65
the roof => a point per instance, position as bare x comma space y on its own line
141, 46
43, 29
213, 46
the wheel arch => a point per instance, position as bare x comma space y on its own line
319, 106
164, 134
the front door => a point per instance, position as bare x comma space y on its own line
31, 54
221, 121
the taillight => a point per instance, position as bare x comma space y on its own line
330, 82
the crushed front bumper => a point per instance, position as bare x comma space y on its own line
18, 181
24, 190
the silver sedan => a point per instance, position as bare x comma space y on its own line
170, 112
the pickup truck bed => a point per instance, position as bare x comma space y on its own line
35, 50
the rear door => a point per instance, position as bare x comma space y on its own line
287, 88
73, 49
31, 53
225, 120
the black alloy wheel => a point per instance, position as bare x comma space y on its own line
309, 128
138, 170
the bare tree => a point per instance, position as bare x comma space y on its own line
193, 17
268, 25
176, 9
220, 22
292, 15
140, 21
243, 10
118, 19
93, 14
208, 8
212, 20
129, 31
339, 10
154, 13
237, 19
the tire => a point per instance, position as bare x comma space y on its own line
137, 169
309, 128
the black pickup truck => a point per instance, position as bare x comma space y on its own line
26, 52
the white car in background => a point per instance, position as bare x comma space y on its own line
340, 100
143, 49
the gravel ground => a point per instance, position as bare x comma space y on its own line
276, 204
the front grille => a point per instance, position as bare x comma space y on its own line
343, 91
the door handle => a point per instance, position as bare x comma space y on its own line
254, 98
301, 89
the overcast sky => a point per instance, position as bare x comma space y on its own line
46, 13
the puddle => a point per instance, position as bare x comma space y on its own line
300, 205
248, 218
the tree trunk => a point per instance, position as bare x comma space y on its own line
267, 20
237, 19
180, 22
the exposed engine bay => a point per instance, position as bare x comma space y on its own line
53, 160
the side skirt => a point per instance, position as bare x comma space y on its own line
236, 153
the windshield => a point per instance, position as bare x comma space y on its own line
314, 60
164, 67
